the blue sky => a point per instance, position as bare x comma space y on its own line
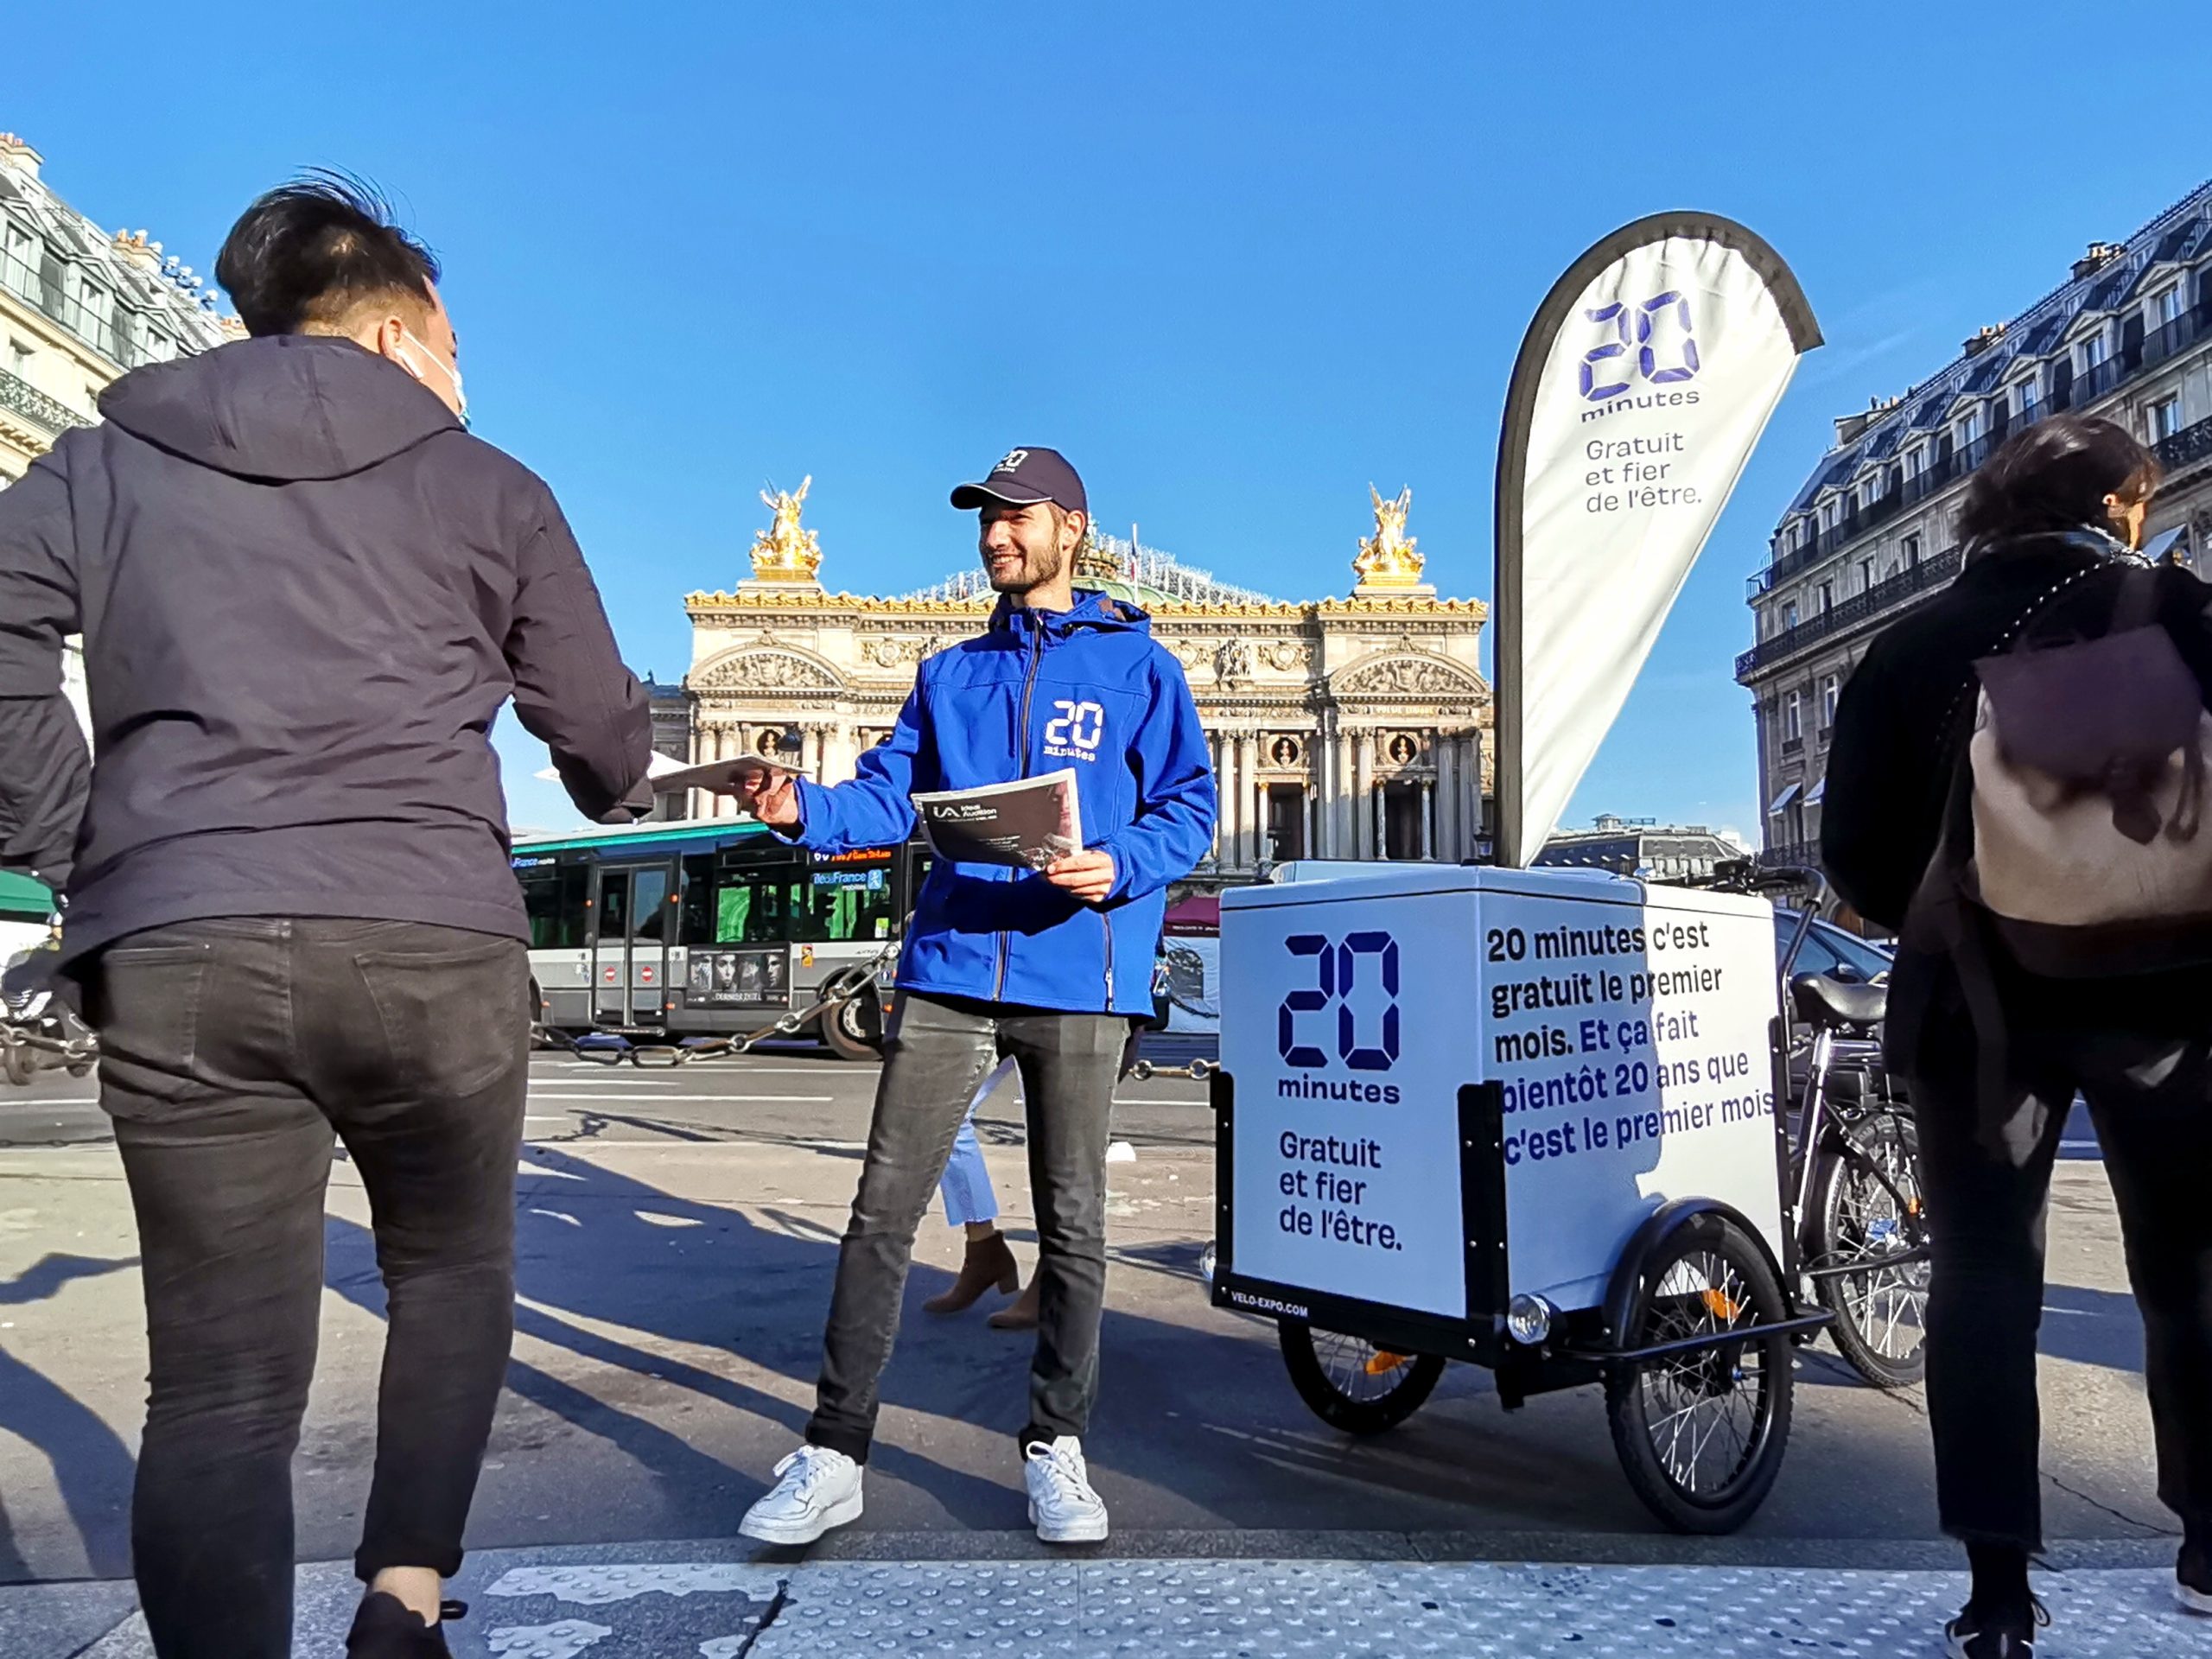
1237, 260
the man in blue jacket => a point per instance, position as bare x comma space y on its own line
1000, 961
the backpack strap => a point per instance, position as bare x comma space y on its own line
2041, 603
2138, 605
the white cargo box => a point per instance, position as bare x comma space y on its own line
1627, 1028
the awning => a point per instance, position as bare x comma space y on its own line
1813, 794
1782, 801
23, 899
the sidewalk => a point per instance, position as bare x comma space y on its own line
706, 1601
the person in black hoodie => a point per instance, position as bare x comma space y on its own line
304, 591
1995, 1053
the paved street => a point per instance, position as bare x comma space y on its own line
676, 1237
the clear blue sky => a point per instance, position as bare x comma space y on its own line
1237, 260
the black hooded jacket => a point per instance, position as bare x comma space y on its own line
304, 592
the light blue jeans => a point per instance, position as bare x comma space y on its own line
966, 1185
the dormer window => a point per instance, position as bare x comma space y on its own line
2093, 351
2166, 307
1970, 426
2024, 395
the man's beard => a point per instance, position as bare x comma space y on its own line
1036, 570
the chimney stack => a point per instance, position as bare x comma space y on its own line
2099, 255
1984, 339
18, 156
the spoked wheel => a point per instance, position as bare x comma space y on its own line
1868, 1207
1350, 1382
1700, 1433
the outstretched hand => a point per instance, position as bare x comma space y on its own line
1086, 875
770, 796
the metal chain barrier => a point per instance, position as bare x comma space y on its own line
1197, 1070
846, 983
74, 1051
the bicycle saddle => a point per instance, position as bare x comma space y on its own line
1831, 1003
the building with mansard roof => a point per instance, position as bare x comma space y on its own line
1873, 531
79, 308
1351, 728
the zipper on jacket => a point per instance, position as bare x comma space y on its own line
1109, 922
1022, 737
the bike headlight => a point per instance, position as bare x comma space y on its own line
1529, 1321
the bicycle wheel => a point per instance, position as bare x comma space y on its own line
1700, 1433
1867, 1207
1351, 1383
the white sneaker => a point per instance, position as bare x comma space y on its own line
1061, 1506
819, 1489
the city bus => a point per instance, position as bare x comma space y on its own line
719, 928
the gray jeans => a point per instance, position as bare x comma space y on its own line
935, 1051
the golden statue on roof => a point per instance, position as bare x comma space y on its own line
785, 551
1389, 560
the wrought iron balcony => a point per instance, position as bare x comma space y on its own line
2179, 335
1847, 615
2186, 447
19, 396
1791, 854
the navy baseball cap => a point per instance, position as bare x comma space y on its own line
1025, 477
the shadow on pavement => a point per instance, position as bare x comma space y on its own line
92, 1467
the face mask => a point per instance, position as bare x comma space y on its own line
453, 375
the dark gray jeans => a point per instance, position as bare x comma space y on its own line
234, 1052
935, 1051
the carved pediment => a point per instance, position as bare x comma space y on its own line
766, 671
1400, 676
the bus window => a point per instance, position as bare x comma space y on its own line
695, 922
852, 906
553, 896
650, 917
754, 906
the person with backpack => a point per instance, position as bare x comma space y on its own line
305, 591
2018, 786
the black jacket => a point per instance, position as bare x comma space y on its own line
305, 593
1896, 804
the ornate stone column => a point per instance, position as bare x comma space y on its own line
1224, 839
1427, 820
1447, 802
1250, 834
1344, 836
1364, 797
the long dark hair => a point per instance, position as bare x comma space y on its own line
2055, 476
311, 251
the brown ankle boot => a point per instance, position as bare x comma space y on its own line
1022, 1315
989, 1262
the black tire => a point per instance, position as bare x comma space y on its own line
845, 1028
1881, 1317
1708, 1276
18, 1063
1333, 1375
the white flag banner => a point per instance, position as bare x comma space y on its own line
1642, 385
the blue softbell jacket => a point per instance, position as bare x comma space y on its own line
1087, 688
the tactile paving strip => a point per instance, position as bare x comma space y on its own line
1246, 1609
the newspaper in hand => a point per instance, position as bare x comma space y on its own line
1027, 824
